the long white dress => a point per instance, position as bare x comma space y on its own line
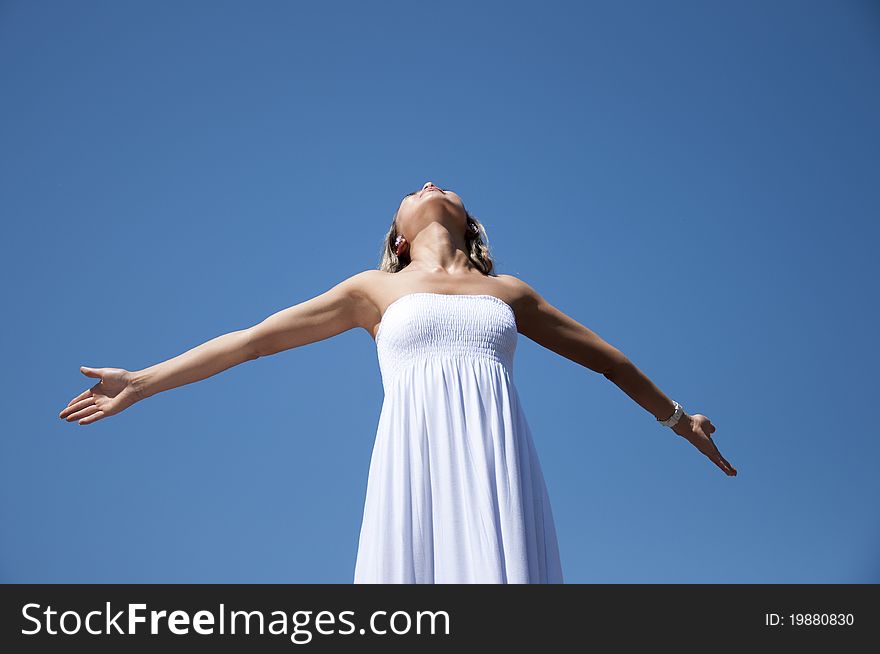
455, 492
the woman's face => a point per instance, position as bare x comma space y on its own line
429, 204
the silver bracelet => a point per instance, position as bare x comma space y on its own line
672, 420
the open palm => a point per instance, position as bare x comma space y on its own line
113, 393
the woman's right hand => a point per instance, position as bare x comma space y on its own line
113, 393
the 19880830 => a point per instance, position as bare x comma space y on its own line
809, 620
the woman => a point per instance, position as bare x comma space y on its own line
455, 492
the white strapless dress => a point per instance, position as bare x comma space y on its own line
455, 492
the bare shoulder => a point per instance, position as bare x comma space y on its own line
368, 292
533, 311
520, 293
370, 286
366, 282
552, 328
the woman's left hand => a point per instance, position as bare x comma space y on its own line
697, 429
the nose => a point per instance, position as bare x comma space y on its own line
427, 184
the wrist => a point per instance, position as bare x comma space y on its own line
139, 385
683, 426
671, 420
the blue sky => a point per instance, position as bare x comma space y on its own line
697, 182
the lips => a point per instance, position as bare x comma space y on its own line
431, 188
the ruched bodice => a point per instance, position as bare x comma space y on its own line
417, 326
455, 492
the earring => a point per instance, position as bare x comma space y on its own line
474, 229
398, 244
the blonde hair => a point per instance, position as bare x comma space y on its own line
477, 244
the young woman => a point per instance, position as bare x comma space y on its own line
455, 491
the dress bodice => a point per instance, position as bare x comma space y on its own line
418, 326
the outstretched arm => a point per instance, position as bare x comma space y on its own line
548, 326
337, 310
344, 306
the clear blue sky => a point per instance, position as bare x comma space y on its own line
695, 181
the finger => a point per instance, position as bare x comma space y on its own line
91, 372
80, 396
82, 404
717, 459
730, 467
722, 463
79, 405
95, 416
89, 410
